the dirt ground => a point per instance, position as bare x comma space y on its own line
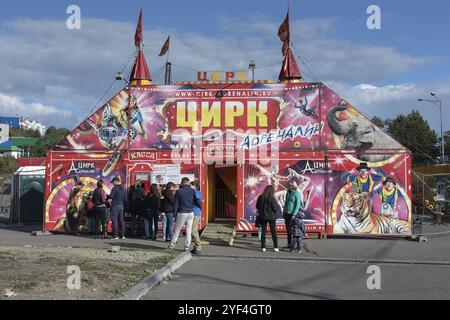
34, 273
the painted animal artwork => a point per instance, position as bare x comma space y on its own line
357, 218
361, 135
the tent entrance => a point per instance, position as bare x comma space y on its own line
222, 193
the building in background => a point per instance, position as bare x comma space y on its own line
24, 123
12, 122
4, 133
32, 125
8, 149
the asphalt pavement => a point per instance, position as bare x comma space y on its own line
335, 268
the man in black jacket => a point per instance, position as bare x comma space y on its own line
117, 197
136, 196
183, 209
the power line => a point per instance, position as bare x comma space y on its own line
109, 87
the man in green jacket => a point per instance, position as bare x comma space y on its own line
292, 207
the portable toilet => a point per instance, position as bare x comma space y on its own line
28, 188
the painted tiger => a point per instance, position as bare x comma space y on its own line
357, 218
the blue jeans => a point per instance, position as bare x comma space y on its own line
118, 219
296, 244
147, 228
167, 225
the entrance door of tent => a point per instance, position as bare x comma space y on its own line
222, 192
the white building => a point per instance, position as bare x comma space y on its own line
32, 125
4, 133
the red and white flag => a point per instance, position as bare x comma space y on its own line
139, 36
165, 47
284, 34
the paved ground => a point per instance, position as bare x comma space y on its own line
409, 269
331, 269
204, 279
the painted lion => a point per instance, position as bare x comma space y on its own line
75, 218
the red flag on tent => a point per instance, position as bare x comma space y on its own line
284, 34
139, 36
165, 47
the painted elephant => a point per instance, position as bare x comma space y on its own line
361, 135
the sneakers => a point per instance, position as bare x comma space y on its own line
122, 238
116, 238
276, 250
187, 248
263, 249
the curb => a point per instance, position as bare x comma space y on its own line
327, 260
141, 289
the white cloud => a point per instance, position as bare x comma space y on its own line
12, 106
44, 62
387, 102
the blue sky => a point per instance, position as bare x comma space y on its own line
375, 70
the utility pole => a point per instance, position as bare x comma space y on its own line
438, 103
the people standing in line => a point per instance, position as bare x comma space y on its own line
197, 216
152, 205
90, 215
298, 231
291, 208
136, 195
117, 197
183, 210
167, 203
99, 198
268, 209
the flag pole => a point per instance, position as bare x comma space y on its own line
168, 77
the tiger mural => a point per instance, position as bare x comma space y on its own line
357, 218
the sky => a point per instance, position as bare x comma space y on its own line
59, 76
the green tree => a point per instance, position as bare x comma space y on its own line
447, 145
8, 165
380, 123
21, 132
415, 133
52, 136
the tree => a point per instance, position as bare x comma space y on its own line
415, 133
8, 165
380, 123
21, 132
52, 137
447, 145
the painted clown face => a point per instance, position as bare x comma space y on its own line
364, 173
390, 186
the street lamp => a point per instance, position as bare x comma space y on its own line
438, 103
252, 66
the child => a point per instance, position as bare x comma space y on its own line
298, 231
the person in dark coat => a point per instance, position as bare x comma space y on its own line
136, 195
268, 209
167, 203
298, 231
151, 217
99, 199
117, 197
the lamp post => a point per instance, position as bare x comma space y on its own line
438, 103
252, 66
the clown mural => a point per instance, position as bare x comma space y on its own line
370, 202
